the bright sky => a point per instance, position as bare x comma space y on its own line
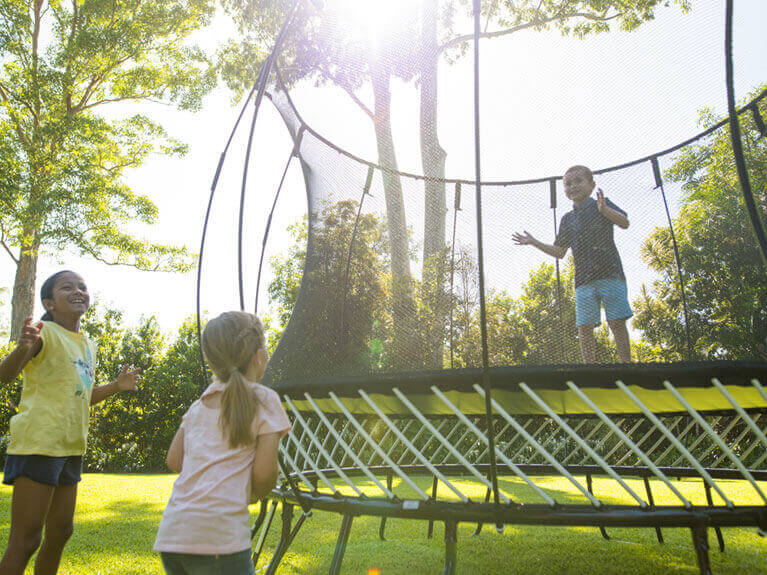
545, 101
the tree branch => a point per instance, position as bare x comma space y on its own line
536, 22
142, 97
346, 88
16, 123
5, 246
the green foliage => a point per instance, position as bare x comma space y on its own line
132, 431
536, 328
721, 264
63, 160
10, 394
340, 303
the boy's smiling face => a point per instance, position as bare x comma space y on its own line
578, 185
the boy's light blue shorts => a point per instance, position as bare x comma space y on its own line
611, 292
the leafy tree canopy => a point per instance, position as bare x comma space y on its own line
62, 158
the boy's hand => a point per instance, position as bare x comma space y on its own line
30, 334
128, 378
601, 204
523, 239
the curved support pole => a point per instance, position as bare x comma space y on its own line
451, 547
343, 537
478, 530
737, 144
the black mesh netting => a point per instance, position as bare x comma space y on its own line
387, 258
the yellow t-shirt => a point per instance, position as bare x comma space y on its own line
53, 412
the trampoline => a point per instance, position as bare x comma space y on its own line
408, 377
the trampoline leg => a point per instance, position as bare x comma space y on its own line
718, 531
430, 532
451, 545
382, 527
700, 541
478, 530
262, 538
282, 546
263, 504
602, 530
658, 532
343, 537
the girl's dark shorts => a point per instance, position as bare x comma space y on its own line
55, 471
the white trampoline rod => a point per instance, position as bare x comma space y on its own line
295, 467
756, 383
670, 436
311, 462
601, 442
521, 474
718, 440
375, 446
655, 445
594, 455
681, 435
618, 445
633, 446
345, 447
698, 440
426, 423
436, 472
742, 412
546, 455
321, 447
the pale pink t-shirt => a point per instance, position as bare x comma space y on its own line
208, 509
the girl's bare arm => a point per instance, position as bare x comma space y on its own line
264, 472
175, 457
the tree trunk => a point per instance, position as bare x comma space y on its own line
405, 353
23, 299
433, 161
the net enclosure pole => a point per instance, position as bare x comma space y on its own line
481, 268
737, 144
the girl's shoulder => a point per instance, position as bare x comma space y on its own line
265, 394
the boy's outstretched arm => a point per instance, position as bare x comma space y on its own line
27, 347
616, 217
525, 239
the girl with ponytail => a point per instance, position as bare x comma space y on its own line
225, 453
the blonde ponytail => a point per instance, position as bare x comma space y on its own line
229, 343
238, 407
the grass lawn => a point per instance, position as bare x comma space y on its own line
117, 516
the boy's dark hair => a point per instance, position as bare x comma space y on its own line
46, 291
581, 168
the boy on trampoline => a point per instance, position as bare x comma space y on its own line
599, 278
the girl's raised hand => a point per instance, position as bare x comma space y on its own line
30, 334
128, 378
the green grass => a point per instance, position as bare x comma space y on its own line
117, 517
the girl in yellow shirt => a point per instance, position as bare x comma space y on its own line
49, 433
